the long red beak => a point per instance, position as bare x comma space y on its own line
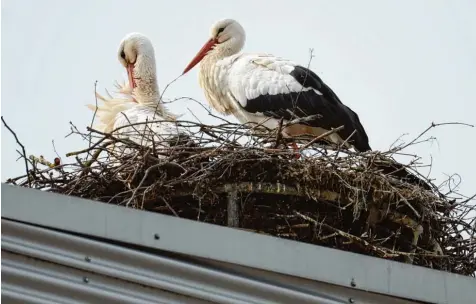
208, 46
130, 74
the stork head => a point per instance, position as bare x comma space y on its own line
228, 29
227, 37
136, 54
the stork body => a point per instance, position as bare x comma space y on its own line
139, 101
263, 88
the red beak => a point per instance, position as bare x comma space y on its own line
130, 74
207, 47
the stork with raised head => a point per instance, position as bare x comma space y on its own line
140, 101
264, 89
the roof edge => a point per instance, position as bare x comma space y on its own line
234, 246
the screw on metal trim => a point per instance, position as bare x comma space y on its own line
87, 259
351, 300
352, 283
85, 280
156, 236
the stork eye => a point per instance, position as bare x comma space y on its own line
123, 55
221, 29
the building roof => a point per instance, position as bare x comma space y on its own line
56, 246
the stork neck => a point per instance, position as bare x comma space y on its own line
212, 76
228, 48
220, 52
147, 89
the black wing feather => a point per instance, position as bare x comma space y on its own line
332, 112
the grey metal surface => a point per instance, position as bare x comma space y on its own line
235, 246
37, 281
45, 266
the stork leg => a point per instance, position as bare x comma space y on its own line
295, 147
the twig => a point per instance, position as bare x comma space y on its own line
279, 133
302, 120
147, 172
22, 148
321, 137
434, 125
87, 149
57, 160
381, 251
95, 111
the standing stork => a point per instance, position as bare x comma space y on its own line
264, 89
126, 116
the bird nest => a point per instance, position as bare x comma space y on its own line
222, 175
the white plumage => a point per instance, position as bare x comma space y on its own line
263, 88
137, 102
250, 76
259, 75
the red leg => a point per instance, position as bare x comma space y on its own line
296, 149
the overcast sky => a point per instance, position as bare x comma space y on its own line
400, 65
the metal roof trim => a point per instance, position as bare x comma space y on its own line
234, 246
41, 265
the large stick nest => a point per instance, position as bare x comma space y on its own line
221, 175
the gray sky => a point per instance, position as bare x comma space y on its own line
399, 65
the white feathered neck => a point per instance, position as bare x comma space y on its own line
145, 94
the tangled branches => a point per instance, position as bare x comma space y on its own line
222, 175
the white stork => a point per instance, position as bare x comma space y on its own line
262, 88
140, 101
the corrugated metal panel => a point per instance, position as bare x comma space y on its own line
41, 266
223, 248
36, 281
44, 266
